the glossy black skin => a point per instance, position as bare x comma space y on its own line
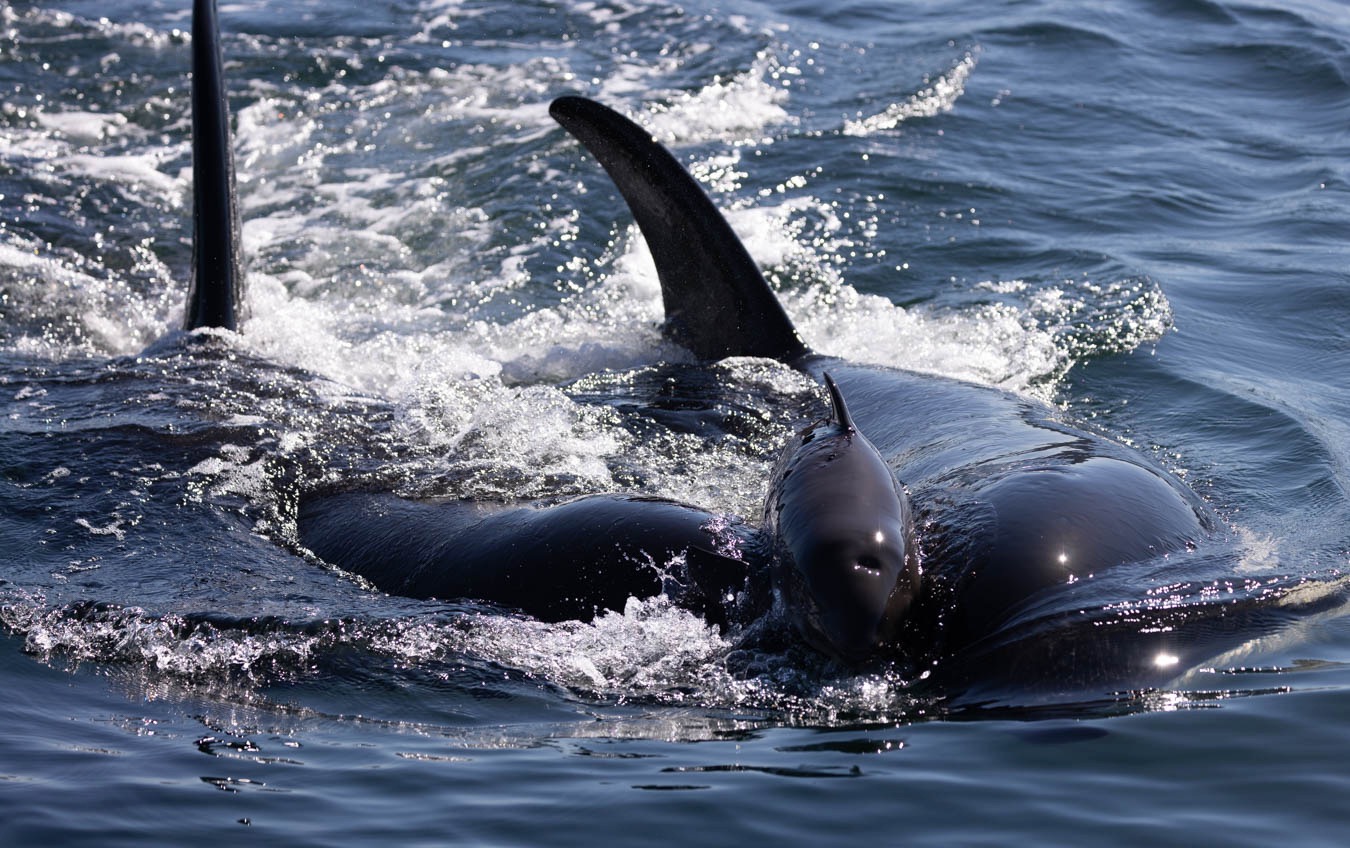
844, 566
1015, 502
836, 547
556, 562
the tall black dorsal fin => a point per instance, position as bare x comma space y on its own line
717, 302
217, 279
841, 416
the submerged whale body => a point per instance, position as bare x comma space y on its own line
914, 516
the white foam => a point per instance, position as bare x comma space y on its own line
133, 172
650, 649
1260, 553
939, 96
799, 236
84, 127
113, 528
72, 311
736, 109
513, 443
993, 345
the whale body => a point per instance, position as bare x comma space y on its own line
910, 516
844, 558
1016, 501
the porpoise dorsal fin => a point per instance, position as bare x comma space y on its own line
217, 279
717, 302
841, 416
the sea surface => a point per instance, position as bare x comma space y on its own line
1137, 212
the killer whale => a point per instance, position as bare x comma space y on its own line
844, 555
555, 561
835, 551
1014, 501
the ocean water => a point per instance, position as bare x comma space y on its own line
1137, 212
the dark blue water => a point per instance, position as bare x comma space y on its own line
1136, 212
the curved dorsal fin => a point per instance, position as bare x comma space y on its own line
217, 280
717, 302
841, 416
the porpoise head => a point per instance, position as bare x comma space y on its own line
844, 569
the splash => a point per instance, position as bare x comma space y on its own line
738, 108
107, 633
652, 649
1089, 318
57, 305
937, 98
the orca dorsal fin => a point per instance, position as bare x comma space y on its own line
217, 279
841, 416
717, 303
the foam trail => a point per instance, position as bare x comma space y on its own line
939, 97
737, 108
